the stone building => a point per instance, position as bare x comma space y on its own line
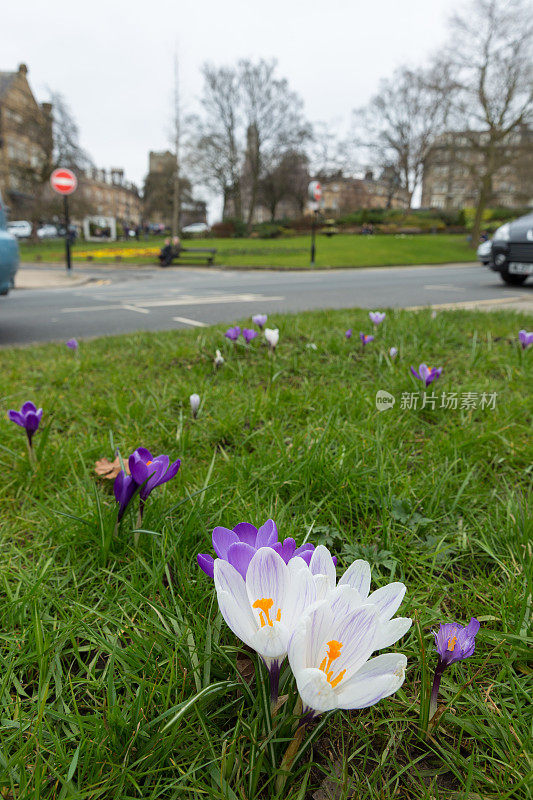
106, 193
342, 195
159, 193
25, 140
455, 163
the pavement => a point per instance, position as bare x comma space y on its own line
30, 277
96, 302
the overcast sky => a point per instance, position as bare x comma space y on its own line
113, 60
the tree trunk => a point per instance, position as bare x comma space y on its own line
483, 201
176, 201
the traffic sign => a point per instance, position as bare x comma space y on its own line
315, 191
63, 181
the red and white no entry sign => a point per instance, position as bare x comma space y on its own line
315, 191
63, 181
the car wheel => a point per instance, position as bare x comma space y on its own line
513, 280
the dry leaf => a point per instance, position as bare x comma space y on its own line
110, 469
246, 668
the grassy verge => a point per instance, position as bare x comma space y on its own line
100, 651
293, 253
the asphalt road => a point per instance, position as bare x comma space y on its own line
121, 301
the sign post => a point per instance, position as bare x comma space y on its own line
315, 194
64, 182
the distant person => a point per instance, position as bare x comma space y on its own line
126, 231
176, 246
165, 255
484, 236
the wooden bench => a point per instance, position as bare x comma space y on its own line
194, 254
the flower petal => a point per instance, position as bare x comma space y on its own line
267, 534
233, 601
357, 633
223, 538
389, 632
267, 577
378, 678
315, 691
388, 599
358, 577
239, 555
206, 563
246, 532
16, 417
322, 564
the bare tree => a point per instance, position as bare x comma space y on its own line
67, 151
400, 123
288, 178
489, 59
274, 122
330, 154
215, 154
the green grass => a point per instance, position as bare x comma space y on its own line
291, 253
103, 644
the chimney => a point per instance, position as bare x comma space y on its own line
23, 69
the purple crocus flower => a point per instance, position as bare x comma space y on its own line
233, 333
366, 338
124, 488
376, 317
151, 470
259, 320
237, 546
426, 374
249, 334
525, 338
29, 418
453, 642
348, 333
72, 344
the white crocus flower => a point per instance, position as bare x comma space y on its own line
329, 651
264, 608
393, 352
387, 599
272, 337
195, 404
219, 359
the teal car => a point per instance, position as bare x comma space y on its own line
9, 254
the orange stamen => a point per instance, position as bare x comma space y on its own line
334, 651
265, 604
451, 644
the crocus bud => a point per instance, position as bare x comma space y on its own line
195, 404
272, 337
259, 320
219, 359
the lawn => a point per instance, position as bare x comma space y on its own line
118, 676
291, 253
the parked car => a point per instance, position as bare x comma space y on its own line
512, 251
196, 227
47, 232
9, 254
483, 252
20, 228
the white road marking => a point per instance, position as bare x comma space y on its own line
194, 322
466, 303
135, 308
186, 300
445, 287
